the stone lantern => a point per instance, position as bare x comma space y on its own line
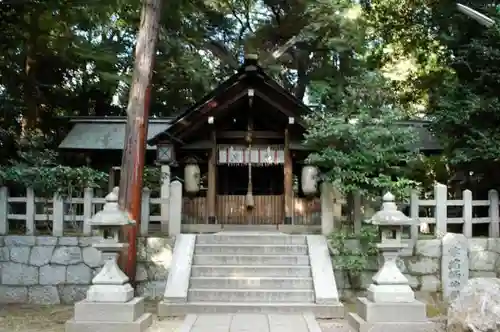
390, 301
390, 222
110, 304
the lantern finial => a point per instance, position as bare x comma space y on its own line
389, 214
111, 214
112, 197
388, 197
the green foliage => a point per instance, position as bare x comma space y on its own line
67, 59
467, 122
47, 181
453, 73
351, 252
36, 167
358, 144
465, 106
428, 170
152, 178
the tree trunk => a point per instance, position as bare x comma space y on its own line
303, 78
132, 168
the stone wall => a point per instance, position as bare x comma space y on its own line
422, 267
47, 269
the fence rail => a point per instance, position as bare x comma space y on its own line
58, 216
440, 219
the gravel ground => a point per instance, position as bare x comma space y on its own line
333, 325
35, 318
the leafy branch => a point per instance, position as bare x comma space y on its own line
37, 167
357, 140
351, 252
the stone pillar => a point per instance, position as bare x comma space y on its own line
165, 196
327, 208
390, 304
175, 205
110, 304
4, 210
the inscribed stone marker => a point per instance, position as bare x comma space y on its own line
454, 264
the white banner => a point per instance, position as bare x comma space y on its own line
239, 155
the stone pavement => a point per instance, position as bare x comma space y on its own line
250, 323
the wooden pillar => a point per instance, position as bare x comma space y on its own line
111, 179
288, 181
136, 130
212, 181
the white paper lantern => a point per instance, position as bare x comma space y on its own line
192, 178
309, 180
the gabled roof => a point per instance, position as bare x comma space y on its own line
105, 133
249, 75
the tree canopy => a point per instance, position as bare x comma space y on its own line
364, 64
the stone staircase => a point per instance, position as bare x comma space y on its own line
250, 273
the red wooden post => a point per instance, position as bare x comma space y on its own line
132, 169
131, 180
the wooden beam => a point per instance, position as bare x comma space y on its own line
219, 110
212, 180
288, 180
274, 104
243, 134
111, 179
297, 145
279, 107
198, 145
287, 96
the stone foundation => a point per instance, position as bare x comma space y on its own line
50, 270
422, 267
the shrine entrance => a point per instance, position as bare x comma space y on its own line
239, 152
250, 195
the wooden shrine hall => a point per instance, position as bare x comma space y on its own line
239, 154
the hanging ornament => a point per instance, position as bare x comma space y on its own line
309, 180
192, 176
249, 197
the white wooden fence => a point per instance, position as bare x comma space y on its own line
59, 213
439, 206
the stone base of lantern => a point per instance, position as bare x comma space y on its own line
390, 293
110, 293
110, 317
389, 317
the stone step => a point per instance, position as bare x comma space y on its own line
251, 282
224, 259
249, 295
239, 238
250, 271
166, 309
250, 249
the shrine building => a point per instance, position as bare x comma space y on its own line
238, 152
240, 155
